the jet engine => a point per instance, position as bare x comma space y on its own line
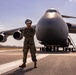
17, 35
3, 38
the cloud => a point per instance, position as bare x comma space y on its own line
4, 27
72, 0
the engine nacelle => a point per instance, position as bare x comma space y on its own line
3, 38
17, 35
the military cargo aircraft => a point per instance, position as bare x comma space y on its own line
51, 31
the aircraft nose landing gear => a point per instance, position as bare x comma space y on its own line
68, 46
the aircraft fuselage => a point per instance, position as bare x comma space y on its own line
52, 29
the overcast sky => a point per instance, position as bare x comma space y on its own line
13, 13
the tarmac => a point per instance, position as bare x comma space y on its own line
49, 63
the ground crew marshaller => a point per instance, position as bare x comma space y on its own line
29, 44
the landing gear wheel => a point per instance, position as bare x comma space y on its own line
57, 49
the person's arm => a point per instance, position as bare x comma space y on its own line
33, 33
24, 32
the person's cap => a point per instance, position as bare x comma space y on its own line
28, 21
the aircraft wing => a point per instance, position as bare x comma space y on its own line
17, 33
65, 16
10, 32
72, 27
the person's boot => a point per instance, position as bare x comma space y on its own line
35, 65
23, 65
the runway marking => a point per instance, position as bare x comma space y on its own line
12, 65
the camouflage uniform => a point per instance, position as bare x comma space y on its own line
29, 44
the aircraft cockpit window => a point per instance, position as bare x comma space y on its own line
52, 11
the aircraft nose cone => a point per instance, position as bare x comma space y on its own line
48, 18
49, 15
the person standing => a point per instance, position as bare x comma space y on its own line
29, 33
